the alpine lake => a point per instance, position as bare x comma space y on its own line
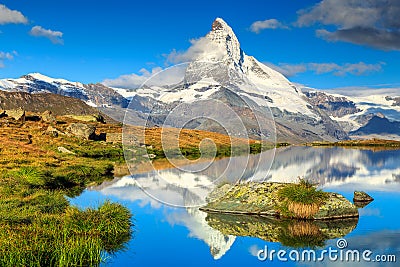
167, 234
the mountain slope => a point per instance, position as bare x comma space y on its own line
222, 71
378, 125
38, 103
92, 94
262, 98
374, 113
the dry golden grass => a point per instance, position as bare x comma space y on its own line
367, 144
303, 210
28, 144
187, 138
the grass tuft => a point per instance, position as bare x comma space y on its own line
31, 175
301, 200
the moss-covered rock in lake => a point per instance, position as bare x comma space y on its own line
335, 207
264, 199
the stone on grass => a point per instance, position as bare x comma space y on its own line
48, 117
17, 114
64, 150
82, 130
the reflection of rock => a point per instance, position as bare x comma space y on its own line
361, 199
291, 233
361, 204
262, 199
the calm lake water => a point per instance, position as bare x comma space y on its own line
176, 236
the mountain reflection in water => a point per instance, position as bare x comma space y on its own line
335, 168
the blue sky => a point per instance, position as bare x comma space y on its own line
319, 43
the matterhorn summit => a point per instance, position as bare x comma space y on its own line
219, 69
223, 36
226, 63
216, 69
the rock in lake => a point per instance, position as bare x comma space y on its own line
262, 199
82, 130
361, 196
361, 199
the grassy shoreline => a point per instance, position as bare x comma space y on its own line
38, 226
372, 143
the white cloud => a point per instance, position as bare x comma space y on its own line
374, 22
288, 69
6, 56
273, 24
344, 13
132, 80
54, 36
359, 91
11, 16
157, 76
198, 48
254, 249
202, 49
360, 68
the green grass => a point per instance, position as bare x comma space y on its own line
301, 200
303, 192
194, 153
30, 176
60, 235
38, 227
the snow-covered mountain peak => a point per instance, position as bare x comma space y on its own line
223, 36
44, 78
92, 94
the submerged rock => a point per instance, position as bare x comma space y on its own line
262, 199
